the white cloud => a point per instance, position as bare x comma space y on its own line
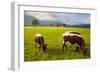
87, 20
41, 15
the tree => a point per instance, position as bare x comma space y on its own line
35, 22
64, 25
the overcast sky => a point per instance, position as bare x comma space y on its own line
67, 18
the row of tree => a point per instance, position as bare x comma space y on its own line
36, 22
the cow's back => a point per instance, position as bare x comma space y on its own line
73, 39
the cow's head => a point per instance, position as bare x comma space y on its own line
44, 47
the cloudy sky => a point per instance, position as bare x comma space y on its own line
67, 18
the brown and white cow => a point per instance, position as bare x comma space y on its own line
74, 38
39, 41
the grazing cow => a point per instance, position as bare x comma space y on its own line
74, 38
39, 41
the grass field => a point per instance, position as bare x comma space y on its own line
53, 37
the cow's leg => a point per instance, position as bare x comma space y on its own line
39, 48
66, 47
77, 48
35, 45
44, 50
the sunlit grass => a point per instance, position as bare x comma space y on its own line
53, 37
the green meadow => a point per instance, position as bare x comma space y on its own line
53, 37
